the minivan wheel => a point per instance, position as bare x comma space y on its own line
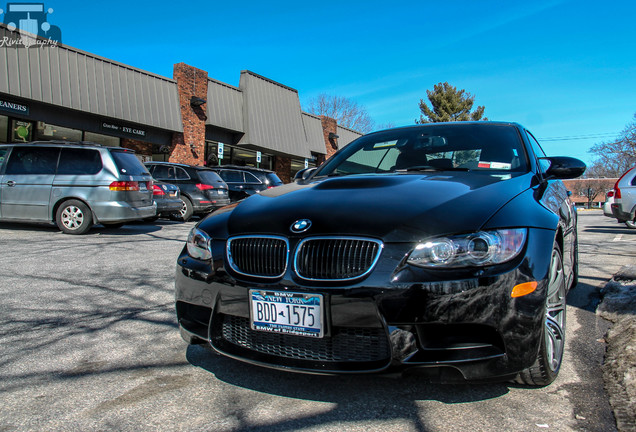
630, 224
186, 209
546, 367
74, 217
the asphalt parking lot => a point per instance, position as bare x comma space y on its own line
89, 342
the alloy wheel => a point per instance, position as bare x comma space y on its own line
72, 217
555, 313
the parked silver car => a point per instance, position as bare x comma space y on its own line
624, 205
74, 185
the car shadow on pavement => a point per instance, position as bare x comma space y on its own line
619, 229
357, 398
127, 229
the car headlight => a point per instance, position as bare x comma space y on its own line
199, 244
477, 249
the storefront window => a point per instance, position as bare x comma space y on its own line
235, 155
4, 128
297, 165
243, 157
211, 154
102, 139
48, 131
21, 131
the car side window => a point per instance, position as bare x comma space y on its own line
251, 178
33, 160
79, 161
163, 172
181, 174
3, 152
231, 176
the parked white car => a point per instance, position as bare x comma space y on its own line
609, 200
624, 205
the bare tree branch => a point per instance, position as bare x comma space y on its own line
346, 112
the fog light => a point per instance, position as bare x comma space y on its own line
523, 289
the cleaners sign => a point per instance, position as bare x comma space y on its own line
13, 107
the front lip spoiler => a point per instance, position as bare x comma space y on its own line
296, 369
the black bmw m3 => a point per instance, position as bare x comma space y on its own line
446, 247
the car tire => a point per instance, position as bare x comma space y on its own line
575, 262
630, 224
187, 210
74, 217
546, 367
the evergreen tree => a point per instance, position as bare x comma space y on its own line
449, 104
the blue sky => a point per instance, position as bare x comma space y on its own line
561, 68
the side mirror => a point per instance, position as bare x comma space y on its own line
304, 174
563, 167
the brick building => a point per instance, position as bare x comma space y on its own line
60, 92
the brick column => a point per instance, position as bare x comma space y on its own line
282, 168
329, 125
140, 147
189, 147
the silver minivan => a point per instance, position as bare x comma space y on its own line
74, 185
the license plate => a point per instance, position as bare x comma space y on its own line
142, 186
297, 314
221, 192
173, 194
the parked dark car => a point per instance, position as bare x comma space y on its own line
202, 190
167, 197
447, 247
244, 181
74, 185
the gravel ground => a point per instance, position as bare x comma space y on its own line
619, 369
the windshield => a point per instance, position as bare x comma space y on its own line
461, 147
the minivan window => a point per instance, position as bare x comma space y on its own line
33, 160
128, 164
3, 152
79, 161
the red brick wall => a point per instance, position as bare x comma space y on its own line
329, 125
282, 168
140, 147
189, 147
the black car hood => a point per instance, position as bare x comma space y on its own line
395, 208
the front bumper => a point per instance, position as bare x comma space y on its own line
388, 321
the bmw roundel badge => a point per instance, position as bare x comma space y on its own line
300, 225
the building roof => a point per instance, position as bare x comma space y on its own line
71, 78
272, 116
346, 135
224, 106
314, 133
